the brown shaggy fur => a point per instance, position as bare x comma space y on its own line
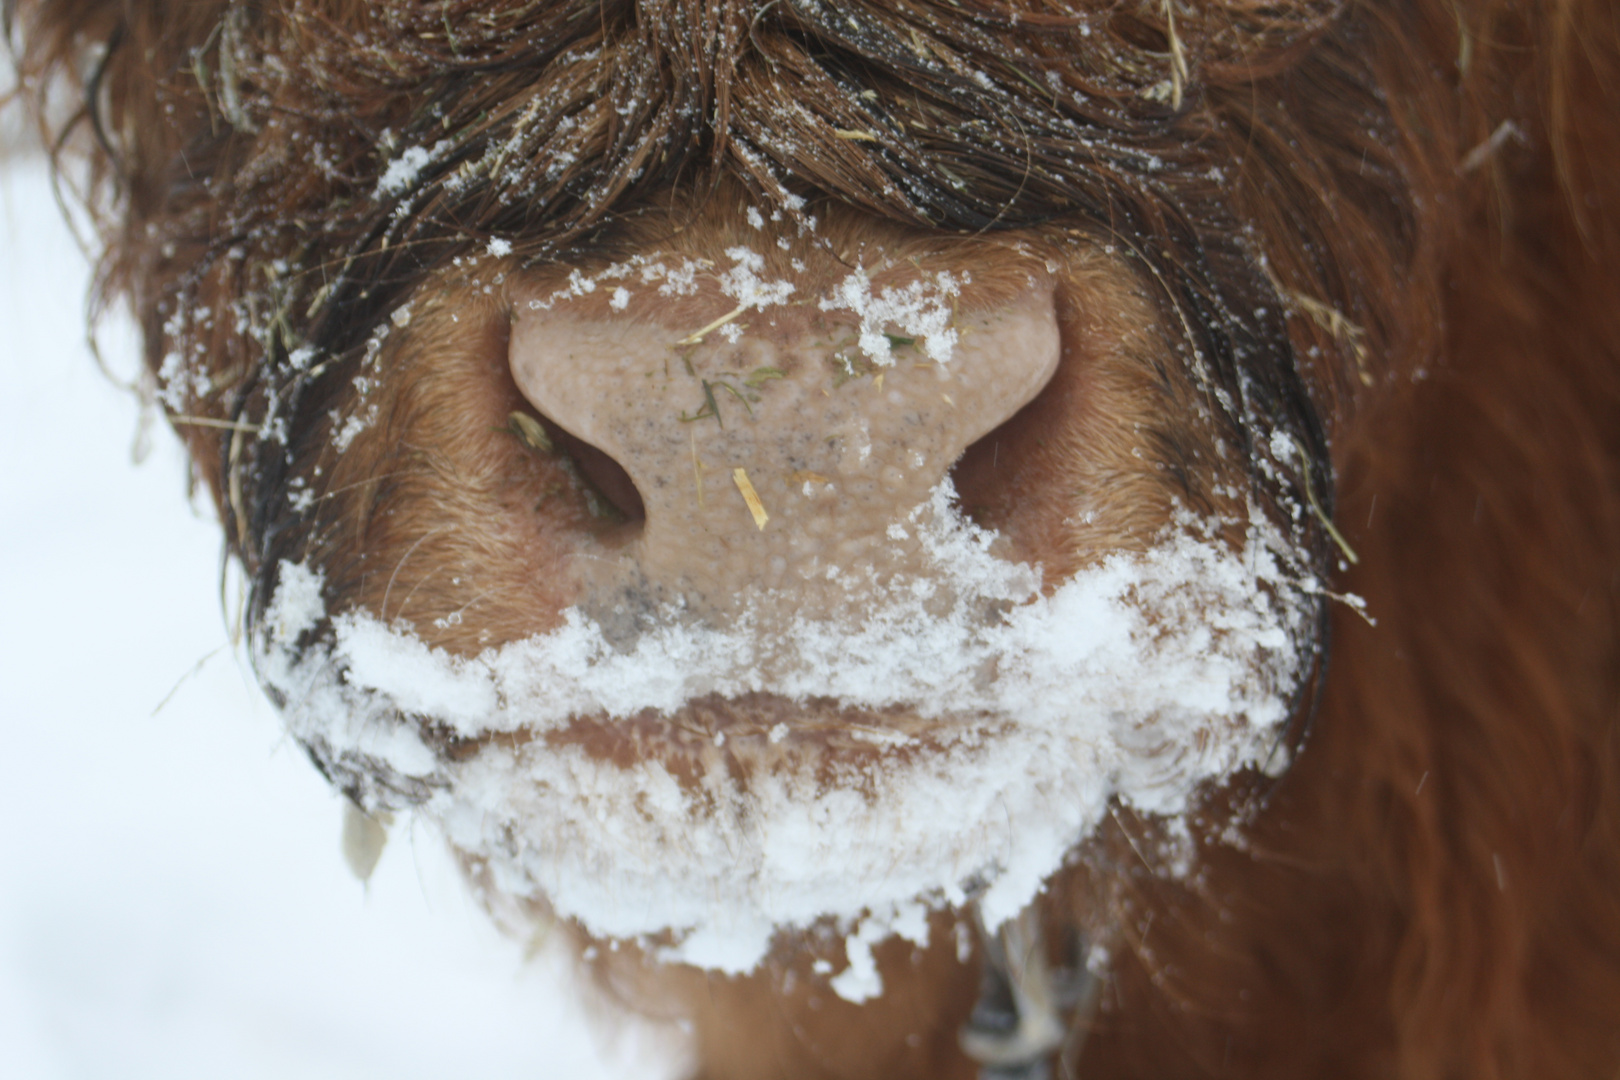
1394, 225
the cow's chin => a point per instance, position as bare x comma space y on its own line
701, 790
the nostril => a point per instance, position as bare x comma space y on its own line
994, 474
606, 478
974, 476
606, 475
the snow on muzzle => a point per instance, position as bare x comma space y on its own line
1142, 678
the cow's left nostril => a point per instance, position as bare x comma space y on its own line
1000, 475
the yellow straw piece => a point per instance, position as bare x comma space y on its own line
750, 496
696, 338
697, 470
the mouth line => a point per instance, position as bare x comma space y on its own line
757, 729
759, 734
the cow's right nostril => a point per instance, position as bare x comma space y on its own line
606, 476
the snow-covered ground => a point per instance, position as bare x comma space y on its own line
173, 901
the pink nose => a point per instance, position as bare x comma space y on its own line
781, 451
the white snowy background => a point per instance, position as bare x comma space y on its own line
173, 901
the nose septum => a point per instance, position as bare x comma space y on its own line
779, 457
